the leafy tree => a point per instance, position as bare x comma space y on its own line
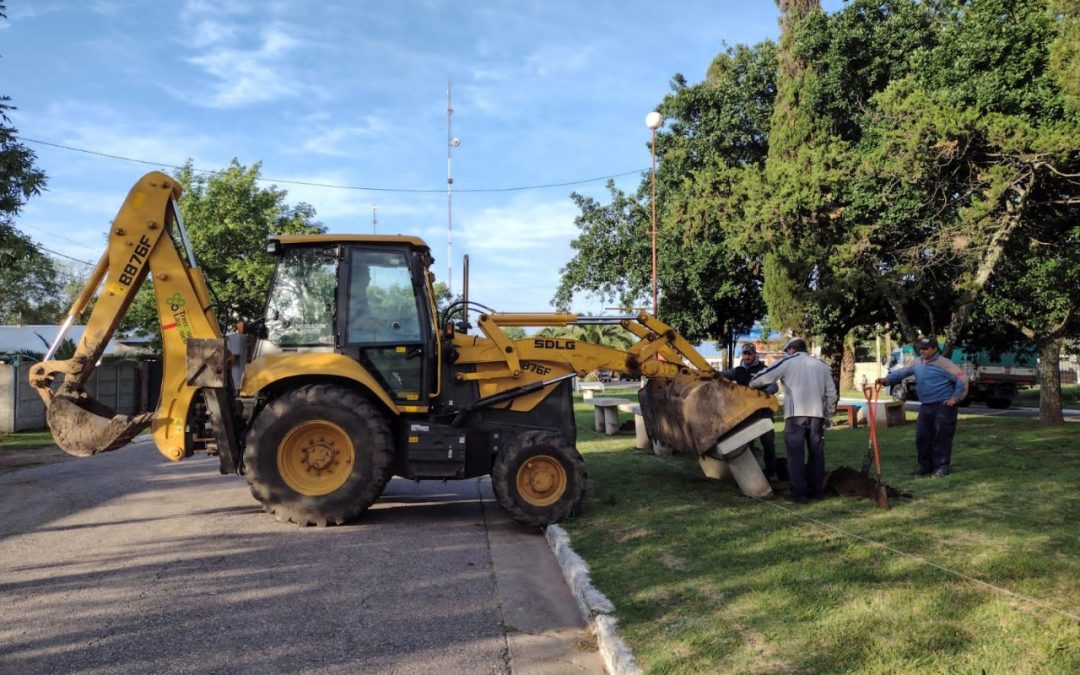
229, 219
962, 147
711, 150
822, 264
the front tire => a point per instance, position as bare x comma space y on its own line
318, 455
539, 479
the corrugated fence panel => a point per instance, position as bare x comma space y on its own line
21, 409
29, 410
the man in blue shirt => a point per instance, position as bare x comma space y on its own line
940, 385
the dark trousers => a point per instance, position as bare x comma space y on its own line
934, 431
804, 435
768, 444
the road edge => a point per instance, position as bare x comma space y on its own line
595, 607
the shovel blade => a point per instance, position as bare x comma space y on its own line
881, 496
83, 427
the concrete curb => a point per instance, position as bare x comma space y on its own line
594, 605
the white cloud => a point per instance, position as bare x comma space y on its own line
340, 141
23, 11
105, 129
521, 225
243, 77
558, 59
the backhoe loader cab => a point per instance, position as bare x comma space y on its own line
366, 297
352, 381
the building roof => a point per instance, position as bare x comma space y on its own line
38, 339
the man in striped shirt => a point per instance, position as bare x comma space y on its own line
809, 400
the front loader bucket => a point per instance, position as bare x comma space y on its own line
692, 414
83, 427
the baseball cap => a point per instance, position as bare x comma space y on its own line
927, 341
749, 348
798, 344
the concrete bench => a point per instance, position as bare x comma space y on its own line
641, 436
607, 414
852, 410
887, 413
892, 412
589, 389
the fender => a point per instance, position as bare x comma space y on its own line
266, 370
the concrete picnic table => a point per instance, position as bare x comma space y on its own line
607, 414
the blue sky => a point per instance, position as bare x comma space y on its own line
354, 94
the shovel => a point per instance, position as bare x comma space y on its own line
880, 495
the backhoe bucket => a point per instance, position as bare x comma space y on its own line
692, 414
83, 427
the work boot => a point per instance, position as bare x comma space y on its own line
923, 471
941, 472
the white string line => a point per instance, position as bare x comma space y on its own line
912, 556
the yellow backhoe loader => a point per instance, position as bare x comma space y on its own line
352, 377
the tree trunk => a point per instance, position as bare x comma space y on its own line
847, 369
832, 353
906, 328
1050, 382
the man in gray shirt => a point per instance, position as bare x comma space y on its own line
809, 400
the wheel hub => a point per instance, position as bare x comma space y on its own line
541, 480
316, 457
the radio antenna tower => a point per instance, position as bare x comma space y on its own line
451, 143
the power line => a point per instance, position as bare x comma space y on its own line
49, 250
362, 188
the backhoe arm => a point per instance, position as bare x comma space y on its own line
140, 240
686, 403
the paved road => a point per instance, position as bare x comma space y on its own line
976, 409
124, 563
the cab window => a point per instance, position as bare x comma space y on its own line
382, 304
300, 310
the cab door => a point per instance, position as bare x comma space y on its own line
385, 323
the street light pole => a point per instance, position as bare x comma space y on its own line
653, 120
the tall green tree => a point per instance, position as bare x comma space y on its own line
229, 218
962, 150
711, 149
821, 263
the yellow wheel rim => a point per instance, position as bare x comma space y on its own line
315, 458
541, 480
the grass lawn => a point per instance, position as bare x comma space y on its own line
24, 440
979, 572
1070, 396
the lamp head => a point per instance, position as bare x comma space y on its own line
653, 120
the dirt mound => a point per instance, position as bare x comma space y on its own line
847, 482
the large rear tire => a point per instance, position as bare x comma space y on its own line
998, 403
539, 479
319, 455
